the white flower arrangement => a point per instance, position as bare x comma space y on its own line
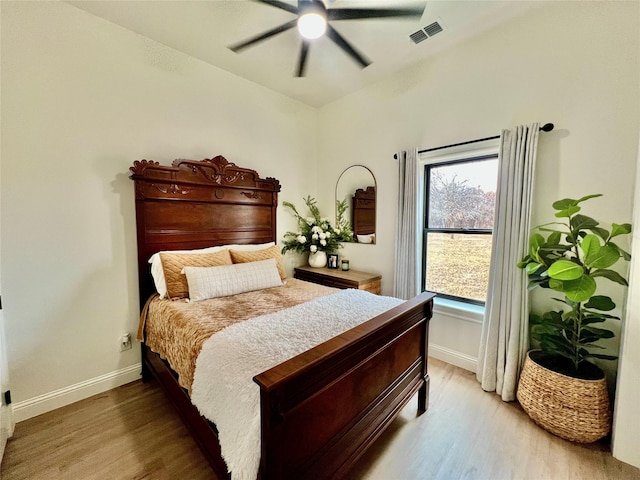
316, 232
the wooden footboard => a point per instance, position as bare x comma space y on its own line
322, 409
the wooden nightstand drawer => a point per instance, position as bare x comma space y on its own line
331, 277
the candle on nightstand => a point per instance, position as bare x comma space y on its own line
345, 264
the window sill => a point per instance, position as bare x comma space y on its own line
460, 310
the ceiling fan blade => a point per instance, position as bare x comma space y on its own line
360, 13
346, 46
280, 5
263, 36
302, 60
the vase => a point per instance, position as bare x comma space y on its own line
571, 408
318, 259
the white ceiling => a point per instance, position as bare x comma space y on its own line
203, 29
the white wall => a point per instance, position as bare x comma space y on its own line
575, 64
82, 99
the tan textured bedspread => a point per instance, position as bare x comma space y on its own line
177, 329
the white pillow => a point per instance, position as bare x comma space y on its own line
157, 272
366, 238
222, 281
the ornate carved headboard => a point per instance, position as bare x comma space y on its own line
195, 204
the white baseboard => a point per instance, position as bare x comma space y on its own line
73, 393
454, 358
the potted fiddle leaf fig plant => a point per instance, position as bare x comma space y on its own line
575, 255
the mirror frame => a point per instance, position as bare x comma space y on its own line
375, 184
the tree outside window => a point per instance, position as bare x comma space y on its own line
459, 213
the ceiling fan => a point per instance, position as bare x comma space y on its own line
312, 21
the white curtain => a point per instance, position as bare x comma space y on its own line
405, 284
7, 422
505, 339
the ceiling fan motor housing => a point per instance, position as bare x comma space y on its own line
312, 19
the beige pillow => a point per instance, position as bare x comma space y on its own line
173, 263
213, 282
257, 255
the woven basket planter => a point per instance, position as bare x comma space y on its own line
571, 408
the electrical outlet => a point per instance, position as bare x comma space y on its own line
125, 342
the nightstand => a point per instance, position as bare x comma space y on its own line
332, 277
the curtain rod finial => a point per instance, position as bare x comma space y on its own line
547, 127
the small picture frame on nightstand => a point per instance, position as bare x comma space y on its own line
332, 260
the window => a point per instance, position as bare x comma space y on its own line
459, 202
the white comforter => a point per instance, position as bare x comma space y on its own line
223, 389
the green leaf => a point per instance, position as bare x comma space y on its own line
543, 228
589, 320
567, 212
564, 203
534, 318
565, 270
532, 268
556, 343
593, 195
552, 318
600, 302
603, 233
592, 313
535, 241
625, 255
598, 332
579, 290
566, 301
548, 256
554, 238
611, 275
556, 249
581, 222
538, 330
603, 258
536, 281
620, 229
559, 341
557, 285
590, 245
602, 357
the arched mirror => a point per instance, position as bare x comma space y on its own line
357, 186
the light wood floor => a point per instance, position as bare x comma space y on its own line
133, 433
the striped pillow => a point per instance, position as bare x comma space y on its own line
239, 256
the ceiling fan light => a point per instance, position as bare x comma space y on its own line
312, 25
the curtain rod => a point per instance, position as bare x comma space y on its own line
547, 127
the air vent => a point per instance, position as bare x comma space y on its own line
418, 36
433, 29
426, 32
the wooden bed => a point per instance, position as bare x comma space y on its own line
372, 370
